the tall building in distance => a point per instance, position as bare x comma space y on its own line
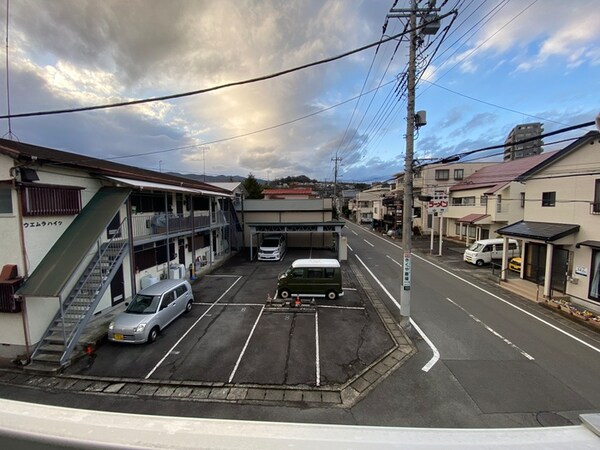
514, 151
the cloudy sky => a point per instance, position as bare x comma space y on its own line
500, 63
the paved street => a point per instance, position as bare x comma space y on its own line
503, 361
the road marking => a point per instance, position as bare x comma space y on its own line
229, 304
491, 330
349, 289
318, 365
368, 243
222, 276
246, 344
400, 264
349, 248
436, 353
354, 232
190, 329
341, 307
581, 341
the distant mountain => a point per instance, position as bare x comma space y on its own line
214, 178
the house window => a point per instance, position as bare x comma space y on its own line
50, 200
548, 198
522, 199
442, 174
459, 174
595, 276
596, 204
499, 204
6, 200
483, 200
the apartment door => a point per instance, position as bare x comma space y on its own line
535, 262
560, 266
117, 287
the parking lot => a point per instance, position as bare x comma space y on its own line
230, 336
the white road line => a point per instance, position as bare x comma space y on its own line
229, 304
190, 329
539, 319
246, 345
400, 264
341, 307
491, 330
368, 243
349, 248
354, 232
436, 353
348, 289
318, 363
222, 276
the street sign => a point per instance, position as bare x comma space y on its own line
439, 203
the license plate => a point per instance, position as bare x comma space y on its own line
118, 337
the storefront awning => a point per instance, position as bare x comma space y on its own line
473, 218
592, 244
539, 231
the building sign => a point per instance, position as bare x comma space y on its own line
581, 271
439, 203
406, 272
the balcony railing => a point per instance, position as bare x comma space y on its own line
158, 224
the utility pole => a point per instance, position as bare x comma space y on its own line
407, 207
336, 160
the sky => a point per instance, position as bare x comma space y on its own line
497, 64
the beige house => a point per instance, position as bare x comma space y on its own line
369, 203
560, 230
489, 199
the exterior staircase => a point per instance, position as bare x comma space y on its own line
54, 350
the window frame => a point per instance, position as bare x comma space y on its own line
459, 174
596, 204
594, 276
7, 190
442, 174
549, 199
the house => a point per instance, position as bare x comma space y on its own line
429, 180
489, 199
84, 234
369, 203
560, 228
290, 193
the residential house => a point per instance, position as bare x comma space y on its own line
369, 203
84, 234
560, 228
427, 181
289, 194
489, 199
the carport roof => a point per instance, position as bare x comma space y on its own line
539, 231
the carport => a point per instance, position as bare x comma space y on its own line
322, 229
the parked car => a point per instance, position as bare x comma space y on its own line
311, 277
515, 264
272, 248
150, 311
482, 252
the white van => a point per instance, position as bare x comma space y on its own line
482, 252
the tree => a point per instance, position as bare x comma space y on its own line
253, 188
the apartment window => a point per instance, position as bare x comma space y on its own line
442, 174
50, 200
548, 198
522, 199
459, 174
483, 200
6, 200
499, 203
596, 205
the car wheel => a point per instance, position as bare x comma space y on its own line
153, 335
188, 307
331, 295
284, 293
479, 262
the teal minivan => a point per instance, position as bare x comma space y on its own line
311, 277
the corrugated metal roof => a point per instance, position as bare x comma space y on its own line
499, 175
539, 231
53, 272
472, 218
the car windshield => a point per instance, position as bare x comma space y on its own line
270, 243
476, 247
143, 304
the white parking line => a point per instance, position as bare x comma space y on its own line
539, 319
436, 353
246, 345
190, 329
495, 333
341, 307
318, 364
368, 243
229, 304
349, 248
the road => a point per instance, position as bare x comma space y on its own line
501, 358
